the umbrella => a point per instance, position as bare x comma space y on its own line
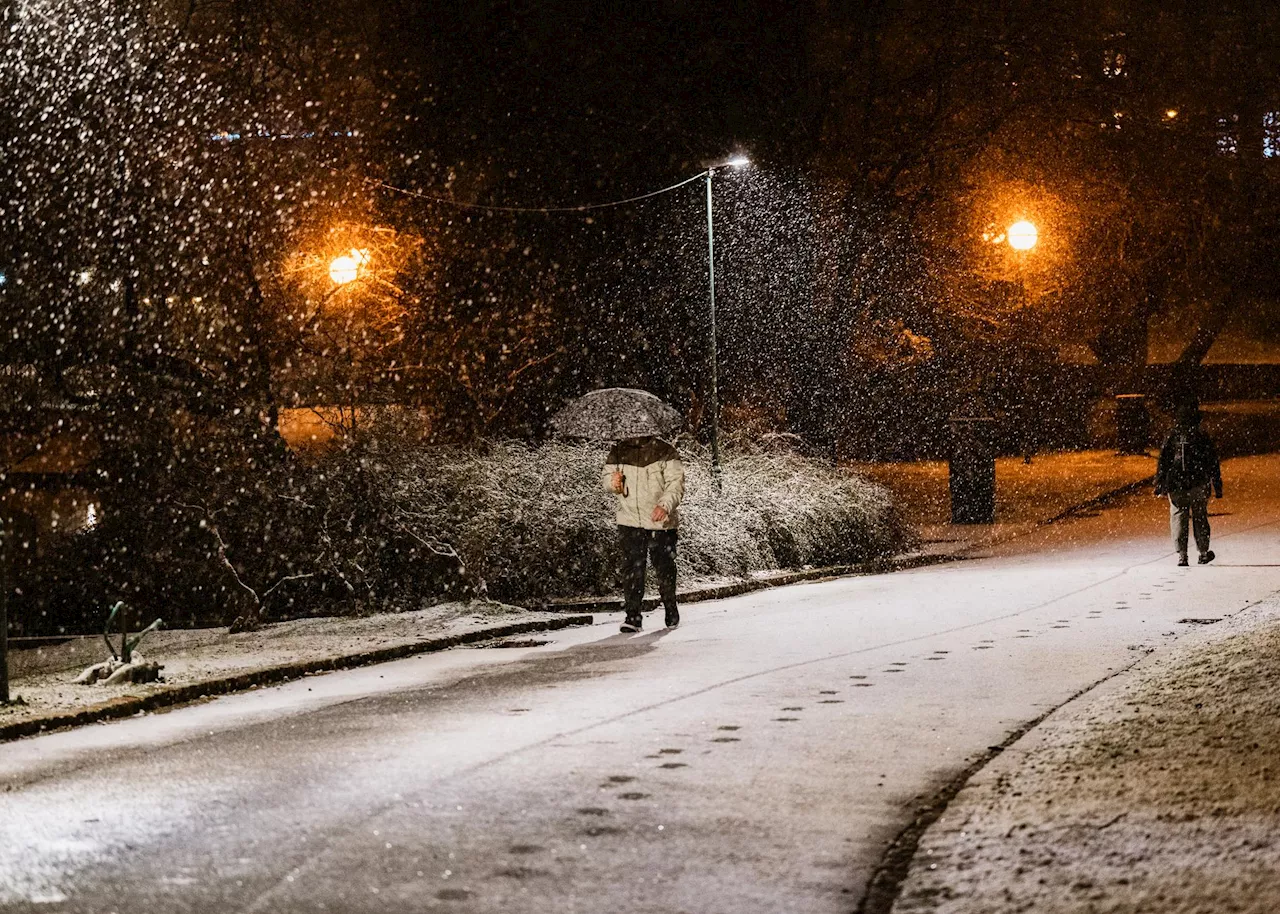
616, 412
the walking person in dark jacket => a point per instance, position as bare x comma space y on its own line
1188, 469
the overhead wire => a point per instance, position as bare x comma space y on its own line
581, 208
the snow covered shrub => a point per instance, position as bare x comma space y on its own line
227, 527
530, 521
776, 509
387, 519
533, 521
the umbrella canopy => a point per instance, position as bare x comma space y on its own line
614, 413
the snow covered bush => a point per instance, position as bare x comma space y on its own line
776, 509
388, 519
532, 520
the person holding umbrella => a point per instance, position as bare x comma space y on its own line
644, 473
647, 477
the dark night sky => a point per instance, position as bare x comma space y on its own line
573, 100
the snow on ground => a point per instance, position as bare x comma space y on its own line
43, 677
1159, 791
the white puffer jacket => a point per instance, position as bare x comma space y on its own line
652, 475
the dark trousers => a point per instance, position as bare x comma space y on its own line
1190, 508
637, 545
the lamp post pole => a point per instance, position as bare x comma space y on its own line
715, 389
971, 466
738, 161
4, 609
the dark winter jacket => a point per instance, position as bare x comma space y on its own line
1188, 460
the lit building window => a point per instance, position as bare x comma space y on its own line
1114, 63
1229, 135
1271, 134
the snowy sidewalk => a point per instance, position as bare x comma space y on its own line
1157, 791
1027, 494
205, 662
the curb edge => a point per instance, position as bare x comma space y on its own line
738, 588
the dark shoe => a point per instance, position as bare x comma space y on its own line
673, 617
1182, 561
632, 624
1206, 557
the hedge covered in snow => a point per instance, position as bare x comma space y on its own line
532, 520
389, 520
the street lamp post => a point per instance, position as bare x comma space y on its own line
715, 384
4, 609
971, 466
735, 162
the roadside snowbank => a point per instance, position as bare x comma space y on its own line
43, 677
1157, 791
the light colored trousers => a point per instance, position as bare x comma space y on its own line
1190, 508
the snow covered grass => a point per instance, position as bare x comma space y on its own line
1025, 492
533, 520
42, 676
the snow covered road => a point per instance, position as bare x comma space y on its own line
758, 758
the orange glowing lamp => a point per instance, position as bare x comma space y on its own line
1023, 235
347, 268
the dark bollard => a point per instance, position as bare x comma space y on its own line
1133, 424
971, 471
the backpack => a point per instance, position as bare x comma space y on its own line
1188, 462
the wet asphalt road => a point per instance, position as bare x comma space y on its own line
757, 759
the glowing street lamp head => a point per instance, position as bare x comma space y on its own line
1023, 235
738, 161
346, 268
